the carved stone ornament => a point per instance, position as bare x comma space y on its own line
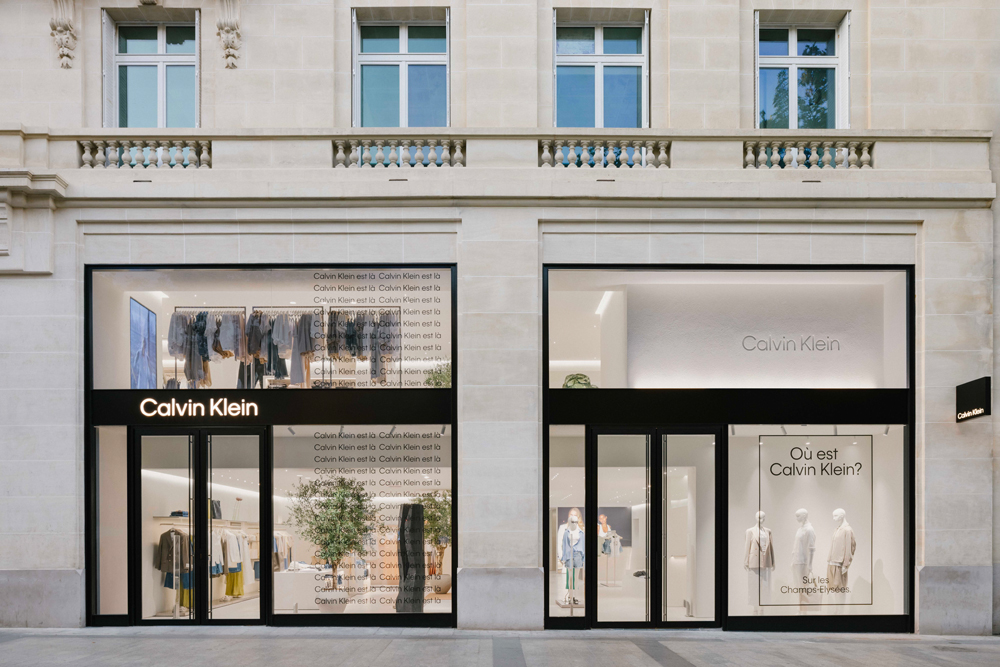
229, 31
63, 31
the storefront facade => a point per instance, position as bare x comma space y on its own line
745, 254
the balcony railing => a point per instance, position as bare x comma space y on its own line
397, 152
809, 153
145, 154
585, 152
701, 155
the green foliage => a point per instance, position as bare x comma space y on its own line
439, 377
578, 381
335, 514
437, 520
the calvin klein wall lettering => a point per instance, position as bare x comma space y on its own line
973, 399
785, 344
219, 407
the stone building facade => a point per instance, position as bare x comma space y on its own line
282, 169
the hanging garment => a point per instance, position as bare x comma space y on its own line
332, 334
361, 324
302, 350
177, 334
217, 560
283, 334
184, 590
234, 584
377, 367
167, 557
275, 366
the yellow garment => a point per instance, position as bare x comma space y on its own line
234, 584
186, 599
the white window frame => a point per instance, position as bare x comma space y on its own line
160, 60
403, 60
838, 62
599, 60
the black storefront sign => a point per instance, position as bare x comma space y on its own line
125, 407
972, 399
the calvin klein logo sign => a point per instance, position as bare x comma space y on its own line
784, 344
217, 407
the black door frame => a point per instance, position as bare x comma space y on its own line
200, 465
655, 435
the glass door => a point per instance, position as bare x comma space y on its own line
652, 550
618, 525
165, 528
688, 516
235, 545
197, 536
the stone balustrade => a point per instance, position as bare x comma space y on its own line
808, 153
697, 154
146, 154
364, 152
587, 152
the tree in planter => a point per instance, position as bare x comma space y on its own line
439, 377
437, 521
335, 514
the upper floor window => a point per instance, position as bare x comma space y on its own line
801, 77
601, 75
153, 77
401, 75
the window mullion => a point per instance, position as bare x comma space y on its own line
599, 95
793, 97
404, 95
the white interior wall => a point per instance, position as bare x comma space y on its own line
614, 342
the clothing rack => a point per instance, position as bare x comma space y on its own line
399, 319
212, 311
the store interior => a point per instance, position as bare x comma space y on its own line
270, 328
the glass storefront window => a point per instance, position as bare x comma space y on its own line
816, 520
362, 519
677, 329
567, 500
272, 328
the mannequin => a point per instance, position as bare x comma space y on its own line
602, 534
758, 561
802, 555
842, 548
572, 557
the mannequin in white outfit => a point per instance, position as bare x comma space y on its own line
574, 577
758, 561
802, 556
842, 548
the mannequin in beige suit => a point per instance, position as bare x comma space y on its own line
758, 561
842, 549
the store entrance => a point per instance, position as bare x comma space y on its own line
652, 553
196, 550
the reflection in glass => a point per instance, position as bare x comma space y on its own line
622, 96
574, 40
167, 538
567, 500
137, 98
575, 96
112, 520
180, 95
622, 525
688, 527
235, 548
773, 41
352, 537
427, 95
426, 39
623, 40
380, 95
180, 39
137, 39
816, 42
773, 98
380, 39
817, 98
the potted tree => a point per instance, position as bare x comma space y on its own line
335, 514
437, 532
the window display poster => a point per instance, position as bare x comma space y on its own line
142, 346
816, 512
